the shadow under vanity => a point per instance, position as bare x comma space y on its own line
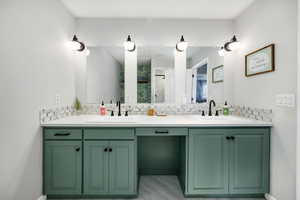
97, 162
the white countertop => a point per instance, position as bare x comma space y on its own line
155, 121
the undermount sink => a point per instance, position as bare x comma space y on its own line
109, 119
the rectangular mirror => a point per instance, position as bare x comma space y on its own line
105, 75
158, 73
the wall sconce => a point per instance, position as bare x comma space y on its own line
232, 45
181, 45
129, 45
76, 45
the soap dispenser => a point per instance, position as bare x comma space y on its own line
102, 109
225, 109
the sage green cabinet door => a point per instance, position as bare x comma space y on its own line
96, 167
249, 163
122, 166
62, 167
208, 162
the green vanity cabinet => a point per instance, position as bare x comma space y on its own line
62, 167
208, 162
249, 161
228, 161
96, 162
96, 167
122, 166
109, 168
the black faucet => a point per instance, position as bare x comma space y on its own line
209, 111
119, 106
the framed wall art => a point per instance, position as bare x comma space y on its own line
218, 74
260, 61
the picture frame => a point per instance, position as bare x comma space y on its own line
218, 74
260, 61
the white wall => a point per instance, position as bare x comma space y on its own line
130, 77
180, 77
103, 76
154, 32
266, 22
298, 109
35, 66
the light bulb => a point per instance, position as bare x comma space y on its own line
234, 45
129, 46
181, 46
87, 52
74, 45
221, 52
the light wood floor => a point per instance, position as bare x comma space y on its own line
165, 188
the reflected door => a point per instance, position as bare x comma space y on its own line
200, 84
160, 88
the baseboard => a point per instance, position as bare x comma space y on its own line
269, 197
42, 197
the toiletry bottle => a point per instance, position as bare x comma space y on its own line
225, 109
151, 111
102, 109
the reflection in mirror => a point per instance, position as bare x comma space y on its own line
200, 64
105, 74
155, 74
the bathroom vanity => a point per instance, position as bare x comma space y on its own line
92, 156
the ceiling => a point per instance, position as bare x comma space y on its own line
196, 9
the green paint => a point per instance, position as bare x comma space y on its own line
207, 164
63, 162
208, 157
96, 168
158, 155
122, 168
221, 166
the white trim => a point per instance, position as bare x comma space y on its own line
194, 81
201, 63
43, 197
269, 197
298, 111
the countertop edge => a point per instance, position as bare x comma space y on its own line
152, 125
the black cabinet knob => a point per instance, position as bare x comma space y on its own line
232, 138
228, 138
77, 149
110, 149
105, 150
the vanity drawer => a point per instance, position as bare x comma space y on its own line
63, 134
108, 133
161, 131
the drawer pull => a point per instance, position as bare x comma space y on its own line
161, 132
62, 134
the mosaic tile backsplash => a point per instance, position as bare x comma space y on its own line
47, 115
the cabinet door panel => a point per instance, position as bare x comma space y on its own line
63, 167
95, 167
248, 164
208, 166
122, 167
